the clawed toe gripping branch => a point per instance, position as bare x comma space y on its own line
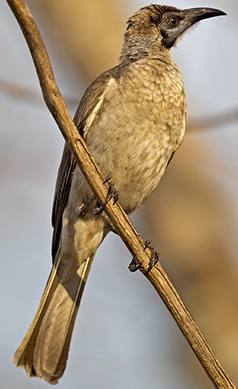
119, 219
112, 193
154, 258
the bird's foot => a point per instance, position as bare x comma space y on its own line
84, 207
154, 256
136, 265
112, 193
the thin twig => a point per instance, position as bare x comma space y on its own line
120, 220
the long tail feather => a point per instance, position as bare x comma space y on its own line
44, 349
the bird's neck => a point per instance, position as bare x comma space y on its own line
138, 47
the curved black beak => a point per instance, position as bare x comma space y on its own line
194, 15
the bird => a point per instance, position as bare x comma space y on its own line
133, 119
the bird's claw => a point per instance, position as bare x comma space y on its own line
154, 256
136, 265
85, 206
112, 193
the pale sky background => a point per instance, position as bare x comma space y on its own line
107, 350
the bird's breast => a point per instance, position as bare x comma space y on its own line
138, 127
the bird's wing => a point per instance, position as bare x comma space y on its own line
84, 116
63, 183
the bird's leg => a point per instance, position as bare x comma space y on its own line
84, 207
135, 264
112, 193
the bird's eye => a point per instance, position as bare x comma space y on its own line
174, 22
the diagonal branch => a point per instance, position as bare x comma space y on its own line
120, 220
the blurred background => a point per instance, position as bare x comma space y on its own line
124, 337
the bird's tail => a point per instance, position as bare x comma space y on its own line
44, 349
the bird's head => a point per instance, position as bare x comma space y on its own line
159, 26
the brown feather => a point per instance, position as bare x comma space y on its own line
44, 349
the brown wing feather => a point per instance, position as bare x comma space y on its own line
87, 104
62, 188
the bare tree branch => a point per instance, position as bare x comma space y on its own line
120, 220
